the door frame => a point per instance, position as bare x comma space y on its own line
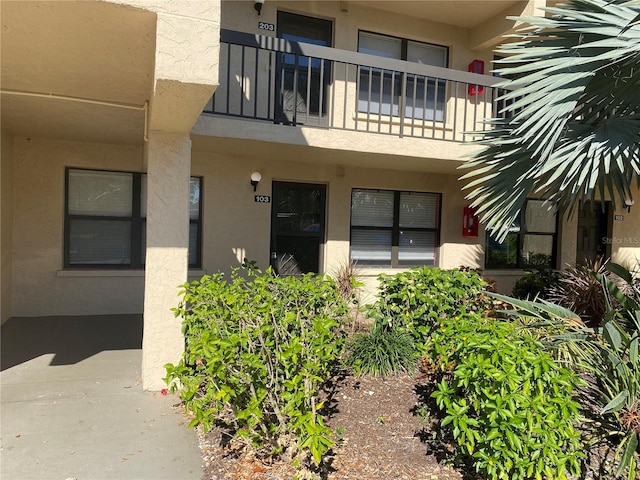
323, 218
280, 114
605, 227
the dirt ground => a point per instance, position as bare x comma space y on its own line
379, 437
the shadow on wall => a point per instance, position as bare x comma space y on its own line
469, 253
71, 339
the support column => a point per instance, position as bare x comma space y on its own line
168, 170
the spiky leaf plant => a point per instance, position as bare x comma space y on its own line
382, 351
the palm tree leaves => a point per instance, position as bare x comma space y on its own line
571, 129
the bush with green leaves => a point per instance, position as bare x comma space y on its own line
417, 299
608, 355
258, 349
381, 351
535, 283
507, 404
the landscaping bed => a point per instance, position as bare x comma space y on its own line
282, 385
379, 438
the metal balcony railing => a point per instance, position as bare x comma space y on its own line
300, 84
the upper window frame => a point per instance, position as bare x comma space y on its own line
405, 45
432, 102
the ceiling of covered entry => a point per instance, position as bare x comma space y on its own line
87, 50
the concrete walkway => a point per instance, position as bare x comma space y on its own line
73, 406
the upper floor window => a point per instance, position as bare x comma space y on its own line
531, 241
382, 91
105, 219
394, 229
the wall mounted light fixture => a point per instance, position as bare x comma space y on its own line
628, 203
255, 179
258, 6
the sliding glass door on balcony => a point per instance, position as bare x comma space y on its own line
302, 82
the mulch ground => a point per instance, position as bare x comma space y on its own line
380, 437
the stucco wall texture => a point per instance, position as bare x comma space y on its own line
40, 285
167, 244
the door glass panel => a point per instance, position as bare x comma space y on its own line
297, 227
303, 81
298, 209
592, 230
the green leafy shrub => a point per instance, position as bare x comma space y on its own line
258, 350
535, 283
381, 351
506, 403
418, 298
608, 356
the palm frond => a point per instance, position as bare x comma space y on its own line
572, 129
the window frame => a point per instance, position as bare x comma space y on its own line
521, 234
137, 260
396, 229
396, 82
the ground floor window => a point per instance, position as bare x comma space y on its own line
394, 229
531, 241
105, 219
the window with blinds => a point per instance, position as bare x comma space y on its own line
105, 219
393, 228
380, 91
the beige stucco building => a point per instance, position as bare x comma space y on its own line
121, 177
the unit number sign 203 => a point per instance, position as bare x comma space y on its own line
267, 26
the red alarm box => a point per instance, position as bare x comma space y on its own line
470, 222
477, 66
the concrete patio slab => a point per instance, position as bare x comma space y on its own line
72, 405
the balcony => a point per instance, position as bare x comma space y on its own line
298, 84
